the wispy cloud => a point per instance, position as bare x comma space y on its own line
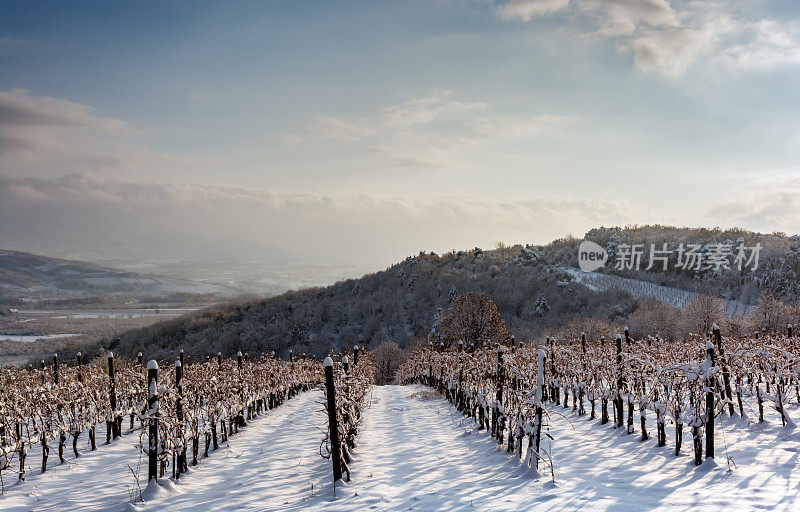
669, 40
428, 132
47, 136
117, 218
35, 124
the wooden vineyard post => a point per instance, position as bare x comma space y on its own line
333, 425
618, 405
55, 368
355, 355
726, 375
139, 358
709, 402
789, 331
79, 361
240, 365
22, 452
179, 413
346, 365
499, 396
539, 387
152, 412
111, 429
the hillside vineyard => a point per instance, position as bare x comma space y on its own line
512, 391
181, 413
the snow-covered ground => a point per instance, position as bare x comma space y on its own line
417, 453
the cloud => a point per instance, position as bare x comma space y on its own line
623, 17
764, 44
669, 40
120, 219
428, 132
769, 203
527, 9
35, 124
668, 52
115, 219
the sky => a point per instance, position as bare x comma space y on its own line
366, 131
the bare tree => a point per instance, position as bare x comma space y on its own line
703, 311
388, 358
471, 318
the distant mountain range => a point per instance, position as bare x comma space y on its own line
28, 276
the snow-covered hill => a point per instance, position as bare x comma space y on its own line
417, 453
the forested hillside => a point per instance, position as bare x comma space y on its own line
394, 304
528, 284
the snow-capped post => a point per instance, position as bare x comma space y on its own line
181, 466
181, 358
499, 396
627, 339
355, 355
55, 368
22, 452
79, 362
709, 401
291, 357
726, 375
219, 360
333, 425
618, 405
111, 422
152, 412
602, 341
139, 358
460, 345
240, 365
539, 389
513, 343
346, 364
44, 372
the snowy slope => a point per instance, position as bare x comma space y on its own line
644, 289
417, 453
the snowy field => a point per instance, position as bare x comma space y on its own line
417, 453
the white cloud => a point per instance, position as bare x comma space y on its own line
428, 132
81, 212
667, 40
623, 17
766, 44
527, 9
423, 111
117, 219
668, 52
